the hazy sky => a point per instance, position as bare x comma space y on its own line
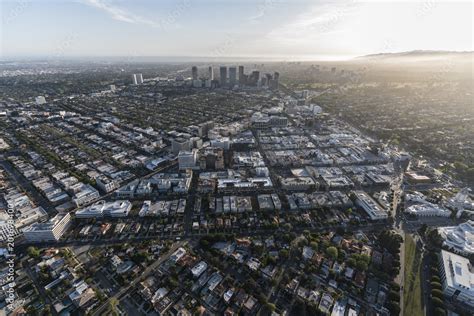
229, 28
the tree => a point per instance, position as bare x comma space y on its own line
435, 238
394, 296
437, 293
271, 306
361, 265
436, 285
113, 302
393, 307
439, 311
313, 245
351, 262
437, 302
422, 229
33, 252
332, 252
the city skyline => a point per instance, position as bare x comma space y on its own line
269, 29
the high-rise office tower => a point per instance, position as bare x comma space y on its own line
211, 73
139, 78
268, 80
194, 71
134, 79
333, 70
223, 76
241, 75
276, 75
276, 78
254, 77
232, 76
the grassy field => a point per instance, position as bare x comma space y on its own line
412, 296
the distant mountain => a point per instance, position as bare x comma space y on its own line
418, 54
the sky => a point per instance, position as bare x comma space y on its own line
274, 29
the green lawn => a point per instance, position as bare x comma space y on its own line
412, 295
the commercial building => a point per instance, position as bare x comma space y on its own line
119, 208
187, 159
427, 209
137, 79
459, 238
263, 121
198, 269
223, 76
457, 274
372, 208
84, 193
297, 183
211, 73
40, 100
106, 184
242, 76
51, 230
211, 158
194, 72
180, 144
232, 76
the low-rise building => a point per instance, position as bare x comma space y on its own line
84, 193
119, 208
457, 275
372, 208
459, 238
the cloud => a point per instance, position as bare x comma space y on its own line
120, 14
262, 9
317, 22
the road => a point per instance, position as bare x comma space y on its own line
401, 275
151, 268
23, 244
27, 187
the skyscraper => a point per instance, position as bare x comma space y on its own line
134, 79
223, 75
232, 76
241, 75
268, 80
254, 78
211, 73
140, 78
194, 71
275, 82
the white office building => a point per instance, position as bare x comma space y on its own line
372, 208
187, 159
459, 238
198, 269
40, 100
51, 230
457, 275
84, 193
428, 209
137, 79
119, 208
